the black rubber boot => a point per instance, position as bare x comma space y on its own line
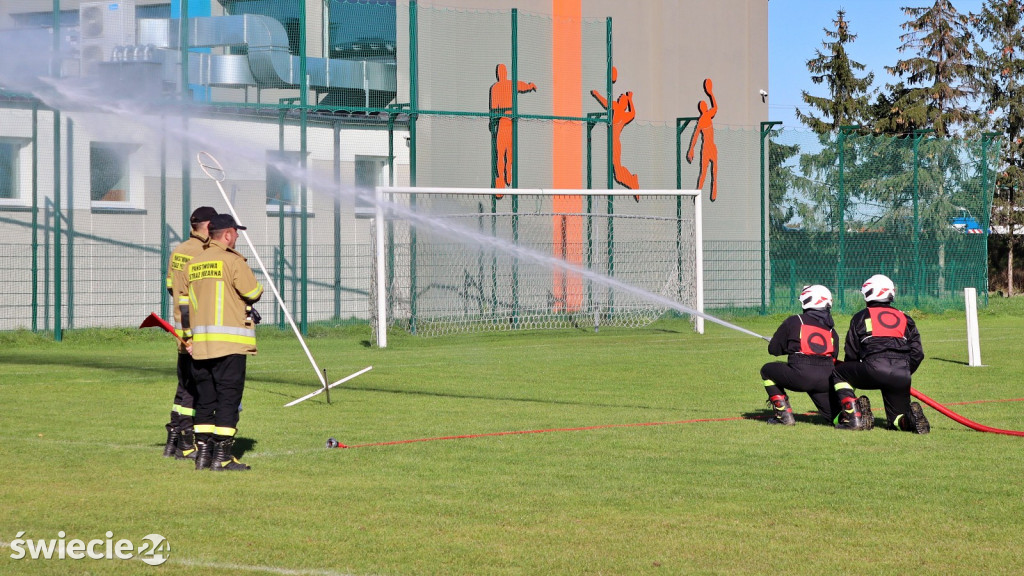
914, 421
867, 417
186, 449
204, 452
172, 442
783, 411
222, 458
849, 417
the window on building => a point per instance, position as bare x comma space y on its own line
11, 151
371, 171
110, 171
282, 187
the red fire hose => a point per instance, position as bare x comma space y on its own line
960, 419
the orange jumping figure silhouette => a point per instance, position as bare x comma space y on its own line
623, 113
708, 150
501, 125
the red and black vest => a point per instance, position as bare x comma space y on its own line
815, 340
886, 322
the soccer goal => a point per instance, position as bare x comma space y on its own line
450, 260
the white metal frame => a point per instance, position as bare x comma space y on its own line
382, 339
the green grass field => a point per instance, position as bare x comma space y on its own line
710, 489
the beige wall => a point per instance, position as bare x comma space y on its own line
664, 49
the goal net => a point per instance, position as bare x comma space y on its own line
451, 260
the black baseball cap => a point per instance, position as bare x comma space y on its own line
223, 222
202, 214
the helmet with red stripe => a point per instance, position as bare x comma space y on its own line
816, 297
878, 288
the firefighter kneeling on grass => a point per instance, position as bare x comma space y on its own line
883, 349
810, 341
222, 290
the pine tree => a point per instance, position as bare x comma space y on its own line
937, 73
999, 29
847, 102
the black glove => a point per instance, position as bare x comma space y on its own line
253, 315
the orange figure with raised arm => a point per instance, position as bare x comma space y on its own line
501, 125
708, 150
623, 113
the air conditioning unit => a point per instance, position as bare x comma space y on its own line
104, 26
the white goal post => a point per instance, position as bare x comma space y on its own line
450, 260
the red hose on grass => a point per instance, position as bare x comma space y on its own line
960, 419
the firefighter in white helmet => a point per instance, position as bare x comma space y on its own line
810, 342
883, 350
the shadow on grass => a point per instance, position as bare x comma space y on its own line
493, 398
253, 381
805, 418
243, 445
960, 362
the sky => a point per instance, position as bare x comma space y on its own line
796, 30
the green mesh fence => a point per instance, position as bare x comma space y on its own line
96, 187
914, 208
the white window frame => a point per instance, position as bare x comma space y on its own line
134, 189
23, 167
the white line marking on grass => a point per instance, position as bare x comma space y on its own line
220, 566
225, 567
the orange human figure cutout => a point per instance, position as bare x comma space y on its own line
501, 125
708, 150
623, 113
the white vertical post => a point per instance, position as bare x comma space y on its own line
698, 239
382, 318
973, 339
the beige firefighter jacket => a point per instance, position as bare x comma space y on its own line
177, 272
220, 285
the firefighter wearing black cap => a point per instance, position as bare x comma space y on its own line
180, 436
222, 290
883, 349
809, 340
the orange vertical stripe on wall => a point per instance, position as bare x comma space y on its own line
567, 147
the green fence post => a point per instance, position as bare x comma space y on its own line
280, 217
303, 190
164, 247
610, 160
918, 136
58, 297
414, 106
766, 130
515, 164
70, 187
186, 155
840, 270
792, 280
681, 125
35, 215
987, 199
337, 210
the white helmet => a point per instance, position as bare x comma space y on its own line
815, 297
878, 288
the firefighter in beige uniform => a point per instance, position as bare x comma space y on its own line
222, 290
180, 437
